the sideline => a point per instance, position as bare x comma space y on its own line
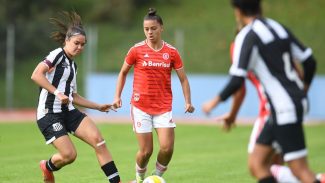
29, 116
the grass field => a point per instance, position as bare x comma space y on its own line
202, 154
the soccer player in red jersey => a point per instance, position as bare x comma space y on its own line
151, 103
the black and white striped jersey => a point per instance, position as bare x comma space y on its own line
62, 75
269, 50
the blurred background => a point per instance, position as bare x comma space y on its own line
201, 30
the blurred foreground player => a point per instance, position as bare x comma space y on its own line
267, 49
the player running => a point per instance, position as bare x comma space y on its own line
281, 173
151, 103
56, 114
266, 48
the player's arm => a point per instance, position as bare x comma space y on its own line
81, 101
237, 100
38, 76
309, 67
120, 85
305, 57
233, 86
186, 90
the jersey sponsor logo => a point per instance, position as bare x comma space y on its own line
57, 127
155, 64
165, 56
136, 97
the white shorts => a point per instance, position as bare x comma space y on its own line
144, 122
257, 129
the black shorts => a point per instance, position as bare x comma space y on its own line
55, 125
289, 137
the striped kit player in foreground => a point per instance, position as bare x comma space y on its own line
56, 114
268, 49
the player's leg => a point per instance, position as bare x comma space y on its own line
66, 152
164, 126
89, 133
259, 163
294, 151
66, 155
53, 129
142, 126
145, 143
166, 137
280, 172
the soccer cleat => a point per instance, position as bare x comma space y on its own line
138, 180
48, 176
321, 177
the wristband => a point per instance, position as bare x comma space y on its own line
56, 92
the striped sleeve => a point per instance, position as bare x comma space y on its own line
298, 50
51, 60
244, 44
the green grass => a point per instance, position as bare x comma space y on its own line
202, 154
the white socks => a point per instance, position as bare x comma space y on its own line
283, 174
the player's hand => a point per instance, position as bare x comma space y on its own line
117, 103
209, 105
227, 120
189, 108
105, 107
63, 98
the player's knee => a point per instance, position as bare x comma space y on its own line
166, 149
69, 156
146, 153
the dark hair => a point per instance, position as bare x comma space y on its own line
152, 15
248, 7
69, 24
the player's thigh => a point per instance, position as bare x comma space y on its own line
291, 139
88, 132
166, 137
256, 131
65, 146
145, 142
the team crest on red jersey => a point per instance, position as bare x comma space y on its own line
165, 56
136, 97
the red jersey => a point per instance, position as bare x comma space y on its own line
263, 106
152, 76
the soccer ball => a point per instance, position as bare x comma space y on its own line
154, 179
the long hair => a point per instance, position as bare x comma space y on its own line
67, 25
